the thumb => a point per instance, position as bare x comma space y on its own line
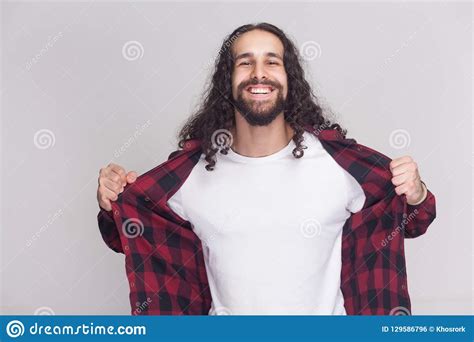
131, 177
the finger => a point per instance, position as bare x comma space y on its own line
400, 169
117, 169
410, 167
104, 200
401, 189
106, 205
112, 186
107, 194
398, 161
400, 179
131, 177
113, 176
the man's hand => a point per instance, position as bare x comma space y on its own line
112, 181
407, 179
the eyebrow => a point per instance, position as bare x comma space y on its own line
250, 54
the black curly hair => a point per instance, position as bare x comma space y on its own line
217, 111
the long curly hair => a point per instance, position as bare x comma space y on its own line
217, 111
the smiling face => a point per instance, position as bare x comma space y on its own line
259, 80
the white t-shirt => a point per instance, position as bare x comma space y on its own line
271, 229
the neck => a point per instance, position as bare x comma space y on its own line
260, 141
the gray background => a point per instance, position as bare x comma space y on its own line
382, 67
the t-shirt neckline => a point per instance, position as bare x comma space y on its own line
231, 154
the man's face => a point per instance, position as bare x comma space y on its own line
259, 80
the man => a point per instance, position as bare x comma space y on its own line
242, 220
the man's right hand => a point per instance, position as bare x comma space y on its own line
112, 181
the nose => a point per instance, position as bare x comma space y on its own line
258, 72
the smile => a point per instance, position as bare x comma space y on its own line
260, 91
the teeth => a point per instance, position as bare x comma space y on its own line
260, 90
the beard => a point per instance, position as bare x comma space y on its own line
260, 112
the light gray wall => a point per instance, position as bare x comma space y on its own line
382, 67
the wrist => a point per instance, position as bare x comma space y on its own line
423, 197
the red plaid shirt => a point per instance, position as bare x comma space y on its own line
164, 260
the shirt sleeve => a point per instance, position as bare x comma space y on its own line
418, 217
108, 230
356, 195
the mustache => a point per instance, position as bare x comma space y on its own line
253, 81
